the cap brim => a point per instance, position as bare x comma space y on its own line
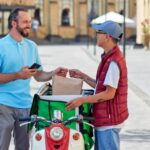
97, 27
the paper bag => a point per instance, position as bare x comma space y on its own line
66, 86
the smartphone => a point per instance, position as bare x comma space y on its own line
35, 66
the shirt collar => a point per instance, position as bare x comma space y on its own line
14, 41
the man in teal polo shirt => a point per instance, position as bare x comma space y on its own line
17, 53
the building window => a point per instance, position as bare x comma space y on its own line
92, 10
65, 17
66, 12
38, 12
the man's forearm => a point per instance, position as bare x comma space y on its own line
42, 76
4, 78
89, 81
95, 98
108, 94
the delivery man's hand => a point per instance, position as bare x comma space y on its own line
74, 103
75, 73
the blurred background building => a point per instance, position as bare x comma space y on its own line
70, 19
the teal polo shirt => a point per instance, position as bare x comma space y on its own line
13, 56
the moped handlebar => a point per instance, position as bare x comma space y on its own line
35, 118
24, 119
32, 119
88, 118
79, 118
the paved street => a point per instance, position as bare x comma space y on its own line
136, 132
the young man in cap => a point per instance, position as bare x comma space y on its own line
110, 99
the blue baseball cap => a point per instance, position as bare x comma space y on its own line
110, 27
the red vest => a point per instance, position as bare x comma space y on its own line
113, 111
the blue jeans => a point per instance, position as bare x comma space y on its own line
107, 139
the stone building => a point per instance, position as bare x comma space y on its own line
70, 19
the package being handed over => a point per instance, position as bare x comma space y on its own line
66, 86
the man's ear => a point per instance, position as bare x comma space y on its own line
14, 23
108, 36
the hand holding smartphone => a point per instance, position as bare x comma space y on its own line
35, 66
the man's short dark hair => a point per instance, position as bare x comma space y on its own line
115, 40
14, 14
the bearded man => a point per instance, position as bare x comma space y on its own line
17, 53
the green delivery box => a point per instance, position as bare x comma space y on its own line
45, 106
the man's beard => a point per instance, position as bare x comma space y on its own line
21, 31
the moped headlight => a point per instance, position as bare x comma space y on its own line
56, 133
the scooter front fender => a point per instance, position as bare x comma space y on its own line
73, 144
